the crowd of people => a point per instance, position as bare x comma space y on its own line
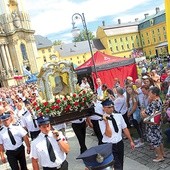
135, 104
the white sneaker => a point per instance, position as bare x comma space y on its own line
140, 144
137, 140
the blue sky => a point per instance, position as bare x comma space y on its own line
52, 18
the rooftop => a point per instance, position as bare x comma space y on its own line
77, 48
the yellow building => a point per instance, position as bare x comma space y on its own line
46, 52
153, 34
78, 52
120, 39
146, 37
167, 10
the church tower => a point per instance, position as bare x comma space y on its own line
17, 42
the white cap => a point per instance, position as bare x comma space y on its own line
145, 77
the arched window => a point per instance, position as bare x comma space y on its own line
24, 52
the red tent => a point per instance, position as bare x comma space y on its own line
109, 67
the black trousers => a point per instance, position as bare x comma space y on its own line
126, 119
14, 156
97, 131
64, 166
34, 134
118, 153
138, 127
80, 132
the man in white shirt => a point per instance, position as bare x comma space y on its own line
120, 105
111, 128
49, 148
11, 142
29, 122
99, 89
84, 84
138, 83
93, 121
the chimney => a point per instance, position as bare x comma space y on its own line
119, 21
146, 15
103, 23
136, 19
157, 10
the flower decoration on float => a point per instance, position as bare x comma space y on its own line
64, 104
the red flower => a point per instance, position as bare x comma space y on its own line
58, 101
37, 108
57, 107
84, 92
67, 108
34, 104
45, 104
53, 107
80, 95
76, 103
40, 114
47, 110
85, 98
74, 95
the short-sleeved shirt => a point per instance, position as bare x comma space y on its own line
120, 105
27, 121
98, 108
39, 150
116, 137
17, 131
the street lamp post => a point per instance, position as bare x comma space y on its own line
76, 32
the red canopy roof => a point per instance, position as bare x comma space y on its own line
99, 59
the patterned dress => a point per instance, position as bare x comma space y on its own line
153, 132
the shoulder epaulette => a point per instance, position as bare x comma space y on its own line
24, 113
1, 128
15, 124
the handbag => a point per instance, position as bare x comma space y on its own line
155, 118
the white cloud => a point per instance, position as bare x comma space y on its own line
54, 16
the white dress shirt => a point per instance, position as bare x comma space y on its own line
39, 150
27, 121
100, 92
116, 137
98, 108
18, 133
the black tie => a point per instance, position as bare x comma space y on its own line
35, 125
50, 150
114, 124
11, 137
34, 122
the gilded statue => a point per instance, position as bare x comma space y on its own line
57, 78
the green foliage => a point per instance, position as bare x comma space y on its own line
57, 42
83, 36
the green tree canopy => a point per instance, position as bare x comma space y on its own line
83, 36
57, 42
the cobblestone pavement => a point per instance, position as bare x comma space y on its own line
145, 156
140, 158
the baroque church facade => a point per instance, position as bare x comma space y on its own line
17, 42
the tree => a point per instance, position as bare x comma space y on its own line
57, 42
83, 36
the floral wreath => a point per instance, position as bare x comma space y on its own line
63, 104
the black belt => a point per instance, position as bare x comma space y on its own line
22, 146
118, 142
55, 168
